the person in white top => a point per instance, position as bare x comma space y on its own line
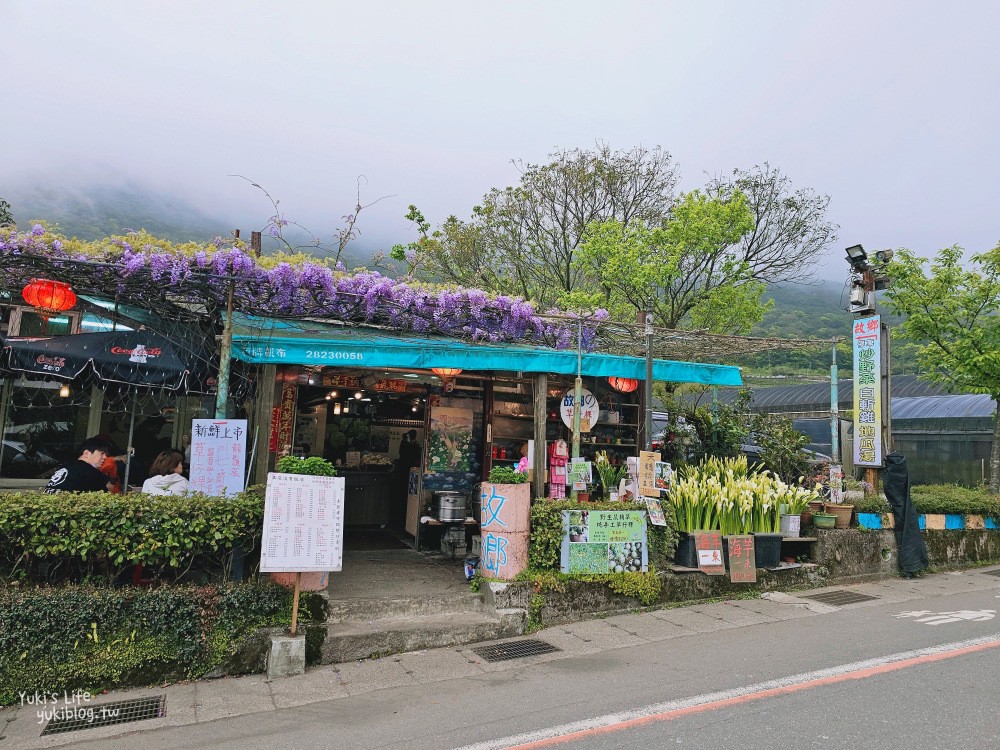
165, 477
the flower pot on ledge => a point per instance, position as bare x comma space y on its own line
844, 513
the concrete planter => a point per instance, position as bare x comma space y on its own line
506, 528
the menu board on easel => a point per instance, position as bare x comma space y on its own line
303, 524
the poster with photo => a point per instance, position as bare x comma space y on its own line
604, 541
655, 510
664, 476
450, 441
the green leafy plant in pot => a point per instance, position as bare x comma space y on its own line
610, 474
313, 466
506, 475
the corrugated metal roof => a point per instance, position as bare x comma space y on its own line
943, 407
816, 396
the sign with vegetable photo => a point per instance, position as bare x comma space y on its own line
604, 541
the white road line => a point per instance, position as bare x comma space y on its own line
606, 720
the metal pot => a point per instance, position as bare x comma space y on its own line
449, 506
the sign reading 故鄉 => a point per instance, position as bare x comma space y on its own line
303, 524
604, 541
868, 405
218, 456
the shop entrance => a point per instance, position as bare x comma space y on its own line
372, 429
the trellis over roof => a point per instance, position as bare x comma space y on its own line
629, 339
199, 294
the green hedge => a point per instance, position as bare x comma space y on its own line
544, 551
70, 536
70, 637
940, 498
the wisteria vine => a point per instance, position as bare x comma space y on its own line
301, 290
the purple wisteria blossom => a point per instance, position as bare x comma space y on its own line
320, 291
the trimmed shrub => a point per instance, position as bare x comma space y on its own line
98, 535
940, 498
70, 637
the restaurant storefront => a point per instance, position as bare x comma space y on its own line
358, 395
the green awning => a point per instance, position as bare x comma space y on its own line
260, 340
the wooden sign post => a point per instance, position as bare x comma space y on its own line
295, 602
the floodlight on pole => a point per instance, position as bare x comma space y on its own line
856, 256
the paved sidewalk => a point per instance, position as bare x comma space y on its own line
210, 700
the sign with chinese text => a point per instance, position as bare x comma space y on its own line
647, 473
581, 473
588, 414
604, 541
218, 456
283, 420
742, 565
709, 546
868, 391
303, 524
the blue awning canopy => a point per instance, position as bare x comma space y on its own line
258, 340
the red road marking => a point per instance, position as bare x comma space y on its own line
859, 674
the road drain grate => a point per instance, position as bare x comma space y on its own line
839, 598
515, 650
991, 573
84, 716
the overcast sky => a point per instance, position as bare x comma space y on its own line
891, 108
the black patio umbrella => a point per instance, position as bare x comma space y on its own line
139, 358
143, 358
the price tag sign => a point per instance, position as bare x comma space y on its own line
742, 568
647, 473
709, 546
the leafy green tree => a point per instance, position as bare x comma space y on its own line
6, 217
790, 231
951, 315
523, 239
680, 269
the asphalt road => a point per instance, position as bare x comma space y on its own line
887, 673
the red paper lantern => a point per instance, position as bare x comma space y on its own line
445, 373
49, 296
624, 385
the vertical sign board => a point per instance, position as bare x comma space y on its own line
647, 473
604, 541
303, 524
218, 456
709, 546
868, 405
742, 564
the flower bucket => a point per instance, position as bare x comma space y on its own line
686, 553
767, 550
791, 525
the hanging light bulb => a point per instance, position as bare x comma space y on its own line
64, 391
329, 397
358, 395
333, 394
413, 409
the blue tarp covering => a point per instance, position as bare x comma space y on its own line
273, 341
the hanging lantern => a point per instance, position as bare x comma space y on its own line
446, 373
624, 385
49, 296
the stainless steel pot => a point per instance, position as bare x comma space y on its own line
449, 506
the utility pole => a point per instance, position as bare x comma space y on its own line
648, 390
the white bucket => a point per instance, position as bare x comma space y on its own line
791, 525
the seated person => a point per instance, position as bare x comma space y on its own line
165, 476
84, 474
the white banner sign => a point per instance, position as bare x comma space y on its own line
868, 391
218, 456
303, 524
588, 414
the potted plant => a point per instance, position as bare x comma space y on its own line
610, 474
843, 511
824, 520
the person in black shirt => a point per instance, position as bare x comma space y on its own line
84, 474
